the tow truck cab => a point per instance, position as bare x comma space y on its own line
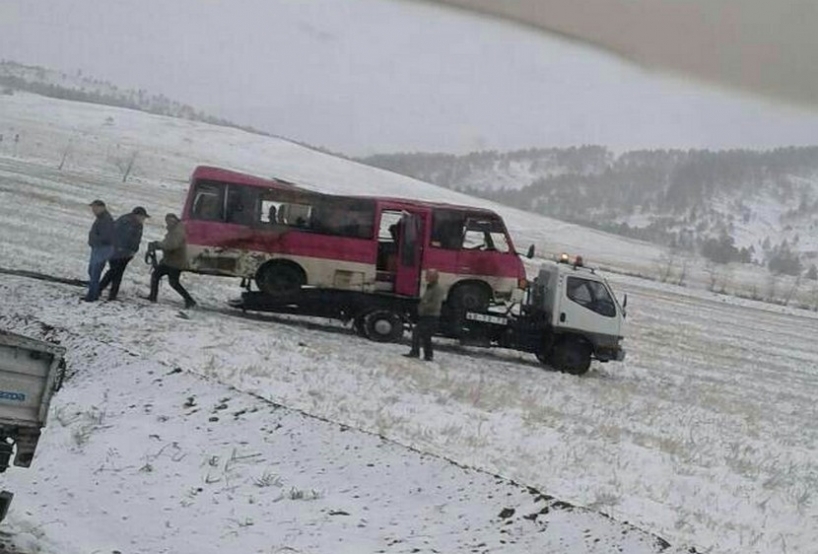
584, 316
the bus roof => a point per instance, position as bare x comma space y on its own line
220, 174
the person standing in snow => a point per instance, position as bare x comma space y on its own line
174, 259
428, 317
127, 237
101, 241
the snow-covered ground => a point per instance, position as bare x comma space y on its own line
705, 435
145, 457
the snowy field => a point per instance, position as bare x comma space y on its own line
705, 435
144, 457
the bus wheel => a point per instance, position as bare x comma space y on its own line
469, 298
571, 356
383, 326
279, 278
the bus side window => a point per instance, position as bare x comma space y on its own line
208, 203
269, 211
447, 229
241, 203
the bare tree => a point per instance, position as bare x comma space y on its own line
712, 270
65, 153
772, 285
792, 290
682, 274
666, 263
126, 165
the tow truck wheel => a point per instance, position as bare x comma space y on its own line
383, 326
570, 356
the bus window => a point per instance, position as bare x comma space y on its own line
269, 211
485, 234
241, 204
208, 202
447, 229
345, 217
388, 235
295, 215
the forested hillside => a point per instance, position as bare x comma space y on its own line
731, 206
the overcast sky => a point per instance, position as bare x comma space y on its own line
367, 76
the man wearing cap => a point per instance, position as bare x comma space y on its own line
101, 241
174, 259
127, 237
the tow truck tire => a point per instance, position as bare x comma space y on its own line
279, 278
570, 356
383, 326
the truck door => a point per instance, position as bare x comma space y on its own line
587, 305
410, 254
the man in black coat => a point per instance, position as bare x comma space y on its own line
127, 237
101, 241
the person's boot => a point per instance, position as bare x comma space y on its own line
412, 354
190, 303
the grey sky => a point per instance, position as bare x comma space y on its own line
365, 76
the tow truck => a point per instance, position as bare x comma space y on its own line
567, 317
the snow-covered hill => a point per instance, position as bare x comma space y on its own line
764, 204
79, 87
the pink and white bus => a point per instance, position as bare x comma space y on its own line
285, 237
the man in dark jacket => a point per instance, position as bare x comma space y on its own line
127, 237
101, 241
174, 259
428, 317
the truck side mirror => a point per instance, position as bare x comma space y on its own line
530, 253
625, 305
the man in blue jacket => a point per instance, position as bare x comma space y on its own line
127, 237
101, 241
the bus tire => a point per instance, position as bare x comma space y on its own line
571, 355
383, 326
469, 297
280, 278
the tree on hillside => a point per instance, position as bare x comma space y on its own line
783, 260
